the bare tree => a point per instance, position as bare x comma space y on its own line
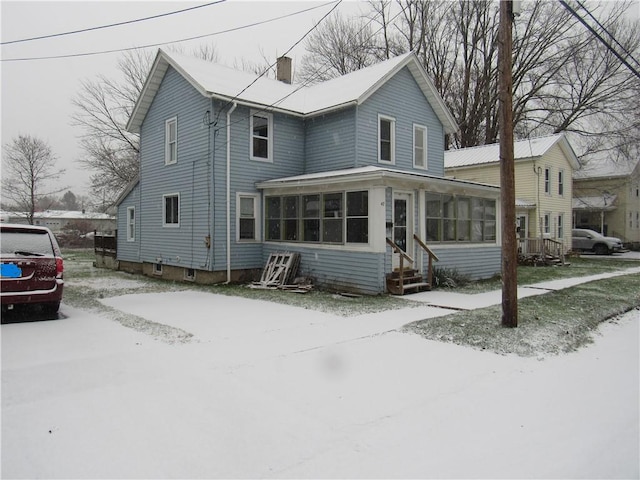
28, 165
103, 107
339, 46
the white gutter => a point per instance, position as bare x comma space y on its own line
233, 107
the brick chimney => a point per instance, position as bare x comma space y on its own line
283, 69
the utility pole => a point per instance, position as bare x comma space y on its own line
507, 175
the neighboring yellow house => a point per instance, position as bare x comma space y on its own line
607, 199
544, 168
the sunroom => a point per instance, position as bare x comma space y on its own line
354, 228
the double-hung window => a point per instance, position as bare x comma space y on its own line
171, 210
547, 180
560, 233
247, 226
358, 217
386, 139
561, 182
420, 147
332, 217
131, 224
261, 136
171, 141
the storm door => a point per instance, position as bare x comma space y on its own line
403, 226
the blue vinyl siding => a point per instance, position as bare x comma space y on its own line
129, 251
340, 270
477, 262
402, 99
184, 245
331, 141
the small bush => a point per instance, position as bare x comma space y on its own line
449, 278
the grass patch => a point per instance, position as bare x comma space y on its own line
553, 323
527, 275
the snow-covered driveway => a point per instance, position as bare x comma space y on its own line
265, 390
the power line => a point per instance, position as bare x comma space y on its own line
42, 37
599, 37
318, 74
607, 32
103, 52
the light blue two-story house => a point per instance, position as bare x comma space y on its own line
348, 173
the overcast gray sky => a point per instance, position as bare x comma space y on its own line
36, 94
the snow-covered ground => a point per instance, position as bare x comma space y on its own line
223, 387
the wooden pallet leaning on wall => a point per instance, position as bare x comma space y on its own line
280, 271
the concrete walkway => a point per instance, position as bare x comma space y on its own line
462, 301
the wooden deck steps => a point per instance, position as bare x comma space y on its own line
410, 281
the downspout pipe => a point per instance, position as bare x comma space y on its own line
233, 107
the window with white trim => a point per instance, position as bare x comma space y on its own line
560, 225
247, 217
386, 139
131, 224
318, 218
420, 147
261, 127
171, 141
547, 180
561, 182
171, 210
547, 223
460, 219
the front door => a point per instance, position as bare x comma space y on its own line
521, 233
402, 225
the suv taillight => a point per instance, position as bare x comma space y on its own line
59, 267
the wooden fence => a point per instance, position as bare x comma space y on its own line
105, 245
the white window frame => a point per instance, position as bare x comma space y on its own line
392, 153
546, 223
131, 224
269, 137
169, 145
561, 182
547, 180
164, 210
560, 226
256, 217
422, 131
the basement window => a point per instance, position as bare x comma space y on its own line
190, 274
157, 269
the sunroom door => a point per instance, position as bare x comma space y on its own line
402, 225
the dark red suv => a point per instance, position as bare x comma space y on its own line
31, 267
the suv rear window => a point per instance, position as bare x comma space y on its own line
36, 242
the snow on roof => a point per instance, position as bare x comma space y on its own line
605, 168
522, 149
225, 83
521, 203
600, 202
361, 174
66, 214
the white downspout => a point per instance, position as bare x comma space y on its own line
233, 107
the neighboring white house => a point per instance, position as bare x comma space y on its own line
56, 220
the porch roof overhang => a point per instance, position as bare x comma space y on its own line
377, 176
522, 204
602, 203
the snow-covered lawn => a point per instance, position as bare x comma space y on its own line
266, 390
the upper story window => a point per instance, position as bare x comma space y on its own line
171, 141
420, 147
131, 224
561, 182
171, 210
386, 139
261, 136
547, 180
247, 218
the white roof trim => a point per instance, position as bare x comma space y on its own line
335, 94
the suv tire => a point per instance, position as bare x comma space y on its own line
601, 249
